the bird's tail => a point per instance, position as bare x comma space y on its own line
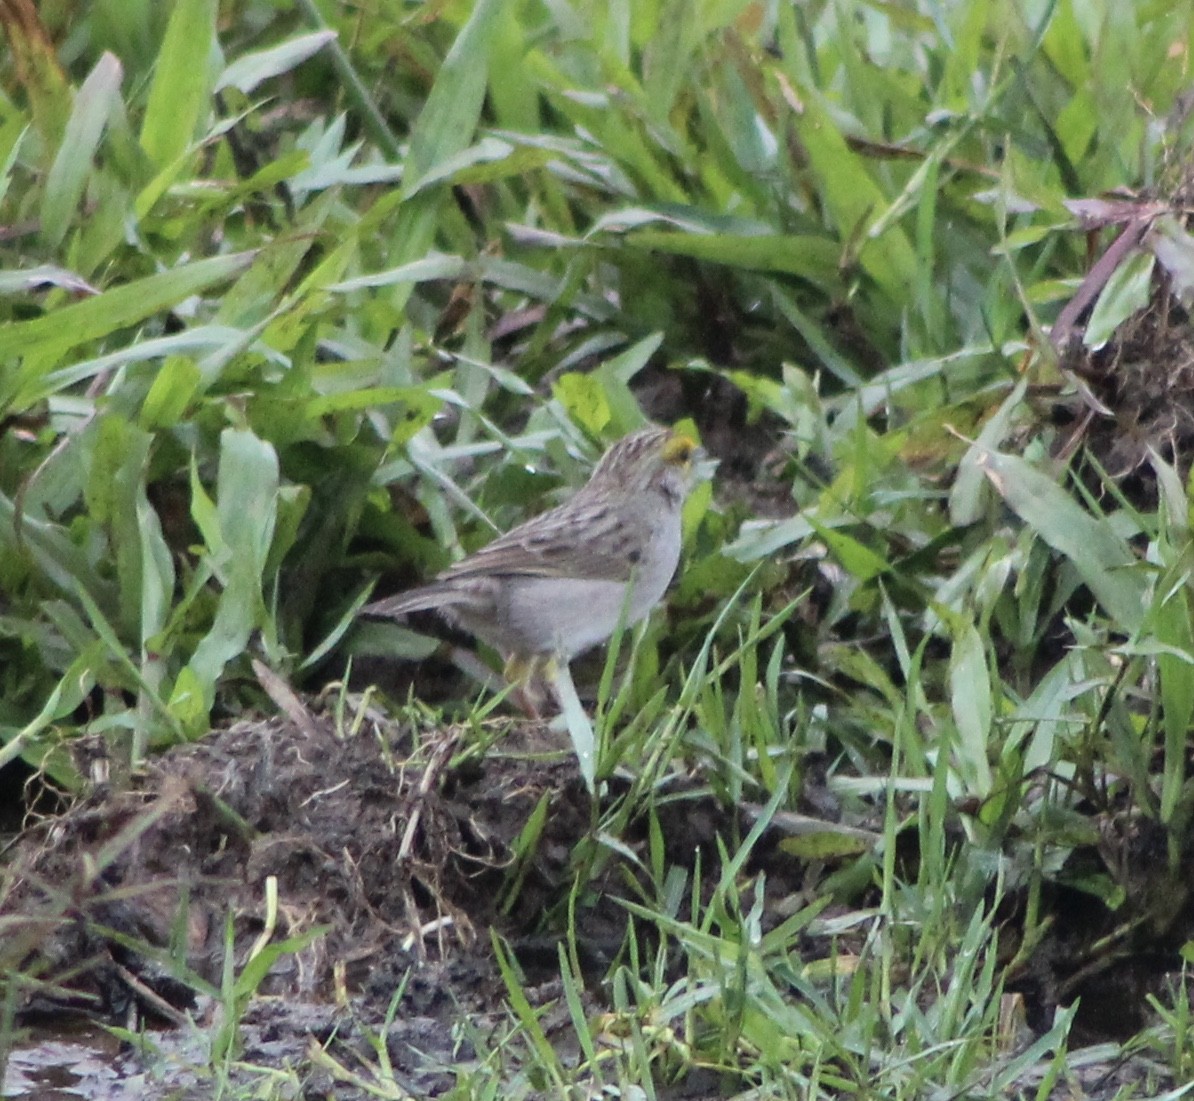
417, 600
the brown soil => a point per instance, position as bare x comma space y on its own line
397, 849
1144, 382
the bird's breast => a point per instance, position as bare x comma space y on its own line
568, 615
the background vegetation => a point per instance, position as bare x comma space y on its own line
300, 295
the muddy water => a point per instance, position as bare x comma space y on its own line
66, 1064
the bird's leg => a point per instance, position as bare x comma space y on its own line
524, 672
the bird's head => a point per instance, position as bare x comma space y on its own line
649, 459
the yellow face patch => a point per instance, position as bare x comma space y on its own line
679, 450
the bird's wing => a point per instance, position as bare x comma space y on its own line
589, 540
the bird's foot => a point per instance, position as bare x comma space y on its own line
529, 675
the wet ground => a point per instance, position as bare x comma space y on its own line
369, 863
380, 855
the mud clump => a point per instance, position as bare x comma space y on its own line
376, 863
1144, 380
365, 874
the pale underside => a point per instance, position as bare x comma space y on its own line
562, 616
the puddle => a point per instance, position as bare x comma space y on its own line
65, 1064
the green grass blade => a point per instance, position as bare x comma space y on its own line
72, 164
179, 95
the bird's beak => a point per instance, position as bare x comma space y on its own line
703, 465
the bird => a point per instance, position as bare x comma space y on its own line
561, 582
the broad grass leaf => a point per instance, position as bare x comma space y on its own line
247, 491
444, 127
855, 200
293, 502
1077, 123
182, 79
115, 494
615, 375
486, 161
1174, 248
1127, 291
432, 267
1101, 557
449, 117
54, 555
187, 704
970, 698
244, 517
419, 403
805, 255
1047, 715
743, 149
766, 538
966, 495
173, 389
826, 845
601, 399
373, 638
856, 557
670, 53
157, 569
29, 280
1175, 505
62, 329
202, 338
252, 69
576, 722
857, 664
583, 398
155, 603
877, 393
108, 440
72, 164
1175, 630
506, 274
340, 171
1065, 45
13, 133
70, 691
515, 99
625, 365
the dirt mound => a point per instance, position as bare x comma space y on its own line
373, 856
